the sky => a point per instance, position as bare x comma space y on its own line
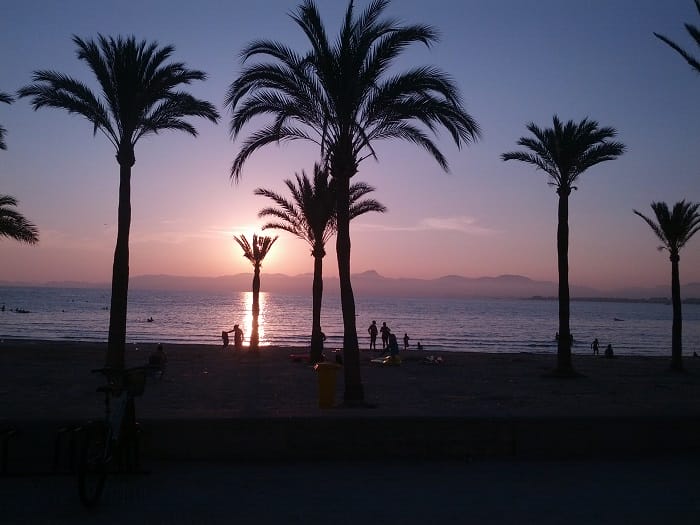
514, 61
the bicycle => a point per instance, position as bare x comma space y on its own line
116, 437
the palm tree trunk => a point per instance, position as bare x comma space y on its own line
254, 335
564, 366
677, 327
317, 291
354, 392
116, 341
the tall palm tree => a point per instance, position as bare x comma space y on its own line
674, 229
695, 34
340, 95
255, 252
139, 97
564, 152
13, 224
7, 99
310, 215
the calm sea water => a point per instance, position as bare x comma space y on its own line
466, 325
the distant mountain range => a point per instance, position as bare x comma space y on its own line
370, 283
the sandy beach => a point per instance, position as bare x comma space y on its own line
52, 380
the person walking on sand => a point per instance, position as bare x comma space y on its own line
373, 331
237, 337
384, 330
405, 341
594, 346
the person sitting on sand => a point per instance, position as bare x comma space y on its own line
393, 345
594, 346
237, 337
609, 352
419, 346
158, 358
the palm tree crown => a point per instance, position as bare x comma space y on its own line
257, 250
310, 214
7, 99
564, 151
138, 96
339, 94
13, 224
674, 228
695, 34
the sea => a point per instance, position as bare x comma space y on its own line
444, 324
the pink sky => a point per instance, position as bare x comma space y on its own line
515, 62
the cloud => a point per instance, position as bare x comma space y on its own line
461, 223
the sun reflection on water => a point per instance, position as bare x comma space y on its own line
248, 319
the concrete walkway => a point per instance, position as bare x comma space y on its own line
519, 492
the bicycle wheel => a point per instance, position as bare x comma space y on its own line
92, 469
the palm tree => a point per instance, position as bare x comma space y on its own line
255, 252
564, 152
341, 96
695, 34
310, 215
138, 98
674, 229
14, 225
7, 99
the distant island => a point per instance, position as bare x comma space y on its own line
371, 283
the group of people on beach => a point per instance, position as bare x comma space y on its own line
389, 341
237, 337
595, 346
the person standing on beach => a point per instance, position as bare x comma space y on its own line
237, 337
373, 331
594, 346
224, 337
385, 335
405, 341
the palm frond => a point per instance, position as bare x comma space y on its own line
138, 94
566, 150
13, 224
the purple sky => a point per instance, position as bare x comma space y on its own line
514, 61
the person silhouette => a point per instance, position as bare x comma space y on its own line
594, 346
373, 331
405, 341
609, 352
237, 337
384, 330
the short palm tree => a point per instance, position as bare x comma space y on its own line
7, 99
695, 34
674, 229
255, 252
564, 152
13, 224
343, 95
139, 97
310, 215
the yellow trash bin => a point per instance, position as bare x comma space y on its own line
326, 383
